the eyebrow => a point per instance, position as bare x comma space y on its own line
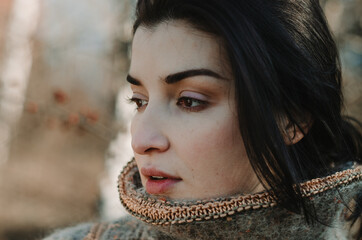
176, 77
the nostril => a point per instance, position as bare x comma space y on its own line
150, 150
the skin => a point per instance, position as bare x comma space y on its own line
187, 129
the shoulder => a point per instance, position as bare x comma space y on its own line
131, 228
71, 233
125, 228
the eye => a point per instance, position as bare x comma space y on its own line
191, 104
140, 103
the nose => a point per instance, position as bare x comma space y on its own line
147, 134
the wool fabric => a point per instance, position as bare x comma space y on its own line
256, 216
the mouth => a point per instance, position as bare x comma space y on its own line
158, 182
157, 178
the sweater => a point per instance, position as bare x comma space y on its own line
252, 216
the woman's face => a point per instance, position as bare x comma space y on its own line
185, 134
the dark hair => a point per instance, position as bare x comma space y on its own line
286, 66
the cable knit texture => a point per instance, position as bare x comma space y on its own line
254, 216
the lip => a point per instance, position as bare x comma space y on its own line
158, 186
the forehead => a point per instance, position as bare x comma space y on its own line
173, 47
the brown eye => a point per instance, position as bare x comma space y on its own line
191, 104
139, 102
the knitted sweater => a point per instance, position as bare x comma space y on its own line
255, 216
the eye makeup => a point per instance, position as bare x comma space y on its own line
189, 95
192, 101
140, 101
191, 104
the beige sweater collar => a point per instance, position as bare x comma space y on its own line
252, 216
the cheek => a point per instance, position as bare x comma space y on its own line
215, 141
207, 147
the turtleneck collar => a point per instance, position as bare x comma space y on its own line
253, 215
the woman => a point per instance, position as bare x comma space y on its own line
238, 132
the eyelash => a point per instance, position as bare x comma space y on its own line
181, 102
138, 102
186, 100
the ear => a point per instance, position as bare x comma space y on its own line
294, 132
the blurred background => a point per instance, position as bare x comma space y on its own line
63, 115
